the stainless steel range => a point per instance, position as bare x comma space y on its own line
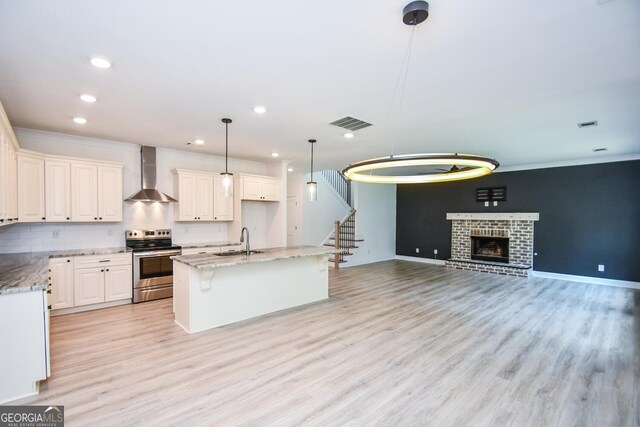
152, 264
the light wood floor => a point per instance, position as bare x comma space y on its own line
398, 343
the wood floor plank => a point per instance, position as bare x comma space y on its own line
398, 343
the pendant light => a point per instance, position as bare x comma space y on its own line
418, 168
312, 186
227, 178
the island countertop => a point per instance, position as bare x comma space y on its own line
220, 244
210, 261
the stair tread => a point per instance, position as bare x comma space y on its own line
342, 247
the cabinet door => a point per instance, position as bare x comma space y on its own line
251, 188
12, 202
58, 190
84, 192
270, 189
205, 197
187, 196
30, 188
61, 274
4, 178
117, 283
222, 206
109, 193
88, 286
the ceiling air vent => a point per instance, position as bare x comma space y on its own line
350, 123
587, 124
597, 150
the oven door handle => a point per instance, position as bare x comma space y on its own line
155, 254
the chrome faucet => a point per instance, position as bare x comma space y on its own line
248, 248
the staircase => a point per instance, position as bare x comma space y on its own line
343, 236
344, 239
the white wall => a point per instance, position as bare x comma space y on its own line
40, 237
375, 206
318, 217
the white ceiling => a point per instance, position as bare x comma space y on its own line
502, 78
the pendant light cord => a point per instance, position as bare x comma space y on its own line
312, 162
226, 148
403, 69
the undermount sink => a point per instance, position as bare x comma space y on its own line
234, 253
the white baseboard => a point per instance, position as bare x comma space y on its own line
587, 279
355, 263
63, 311
422, 260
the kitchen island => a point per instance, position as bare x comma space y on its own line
210, 290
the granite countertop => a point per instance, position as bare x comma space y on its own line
82, 252
24, 272
209, 261
207, 245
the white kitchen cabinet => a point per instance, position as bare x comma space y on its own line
57, 190
8, 172
196, 193
96, 192
84, 186
260, 188
31, 202
61, 282
117, 283
109, 193
101, 278
222, 206
88, 286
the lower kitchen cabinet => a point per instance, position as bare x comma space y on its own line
61, 274
117, 283
88, 284
87, 280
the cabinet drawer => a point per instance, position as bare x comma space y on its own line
91, 261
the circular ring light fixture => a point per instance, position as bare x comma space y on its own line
472, 166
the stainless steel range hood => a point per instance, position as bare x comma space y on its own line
149, 192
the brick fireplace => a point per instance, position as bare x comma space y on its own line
499, 243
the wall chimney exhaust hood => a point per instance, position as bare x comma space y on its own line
149, 192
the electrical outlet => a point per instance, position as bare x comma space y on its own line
486, 204
417, 250
435, 252
495, 203
56, 234
600, 267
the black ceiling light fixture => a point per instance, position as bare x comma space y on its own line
418, 168
312, 186
227, 178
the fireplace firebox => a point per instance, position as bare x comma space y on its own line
490, 249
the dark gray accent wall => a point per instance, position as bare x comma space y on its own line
589, 215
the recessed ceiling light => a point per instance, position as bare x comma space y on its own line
260, 109
88, 98
100, 63
348, 135
275, 155
290, 170
198, 142
80, 120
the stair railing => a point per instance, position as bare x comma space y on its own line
344, 240
339, 183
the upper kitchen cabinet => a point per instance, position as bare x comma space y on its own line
260, 188
8, 172
200, 197
31, 199
57, 190
96, 192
